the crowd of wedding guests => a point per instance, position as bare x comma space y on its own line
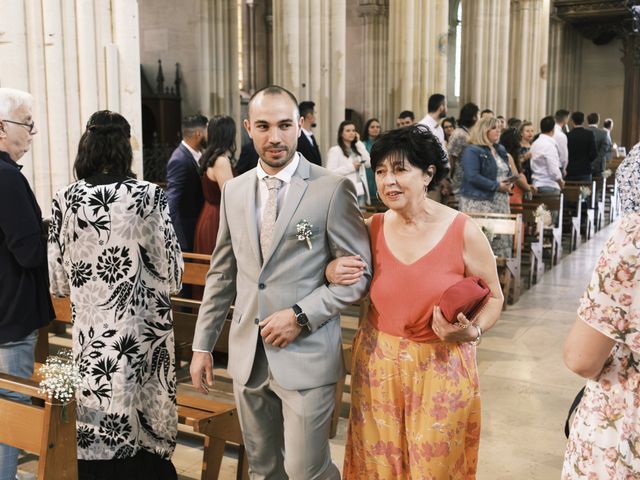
114, 246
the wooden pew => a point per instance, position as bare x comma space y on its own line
509, 268
573, 206
40, 429
214, 416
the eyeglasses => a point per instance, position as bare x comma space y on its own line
30, 126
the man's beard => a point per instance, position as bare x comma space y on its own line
314, 125
203, 144
443, 114
277, 163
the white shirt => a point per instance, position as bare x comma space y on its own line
545, 162
195, 153
435, 128
561, 140
262, 195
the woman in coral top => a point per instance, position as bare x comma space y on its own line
415, 405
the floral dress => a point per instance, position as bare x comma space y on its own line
605, 434
113, 250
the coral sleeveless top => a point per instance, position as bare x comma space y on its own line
403, 296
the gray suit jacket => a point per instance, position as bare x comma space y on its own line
291, 273
603, 147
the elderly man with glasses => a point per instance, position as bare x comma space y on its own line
25, 304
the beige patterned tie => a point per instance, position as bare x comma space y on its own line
270, 214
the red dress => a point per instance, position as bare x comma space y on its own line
208, 222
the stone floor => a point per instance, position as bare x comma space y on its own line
526, 390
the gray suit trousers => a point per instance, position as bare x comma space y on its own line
286, 432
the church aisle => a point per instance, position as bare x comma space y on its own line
526, 389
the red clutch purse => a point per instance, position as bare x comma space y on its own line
467, 296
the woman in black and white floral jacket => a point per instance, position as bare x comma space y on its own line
113, 250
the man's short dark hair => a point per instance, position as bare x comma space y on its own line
306, 107
577, 118
547, 124
562, 114
191, 122
468, 115
407, 113
514, 122
608, 123
274, 90
435, 102
415, 144
486, 110
593, 118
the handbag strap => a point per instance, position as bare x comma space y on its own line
574, 405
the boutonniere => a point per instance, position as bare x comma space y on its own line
303, 231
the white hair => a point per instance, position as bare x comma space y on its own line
11, 100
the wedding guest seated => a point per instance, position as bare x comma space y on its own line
113, 250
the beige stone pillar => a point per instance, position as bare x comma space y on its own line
563, 73
375, 14
485, 53
219, 55
528, 58
75, 58
309, 58
417, 68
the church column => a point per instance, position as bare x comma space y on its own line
375, 14
219, 56
528, 57
309, 42
631, 102
485, 53
418, 32
563, 70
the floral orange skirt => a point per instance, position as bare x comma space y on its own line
415, 409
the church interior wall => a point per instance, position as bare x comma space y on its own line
355, 61
601, 86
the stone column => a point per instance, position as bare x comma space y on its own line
528, 58
418, 32
485, 53
309, 58
219, 56
375, 14
75, 58
631, 103
563, 72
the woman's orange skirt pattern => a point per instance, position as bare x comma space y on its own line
415, 409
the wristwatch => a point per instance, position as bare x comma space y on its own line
301, 318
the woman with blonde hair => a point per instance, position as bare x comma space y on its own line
488, 178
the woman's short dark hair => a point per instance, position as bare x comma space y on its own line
221, 138
468, 115
105, 146
415, 144
365, 133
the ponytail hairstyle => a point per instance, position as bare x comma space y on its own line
105, 146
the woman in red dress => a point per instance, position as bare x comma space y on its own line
215, 168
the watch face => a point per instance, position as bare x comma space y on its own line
302, 320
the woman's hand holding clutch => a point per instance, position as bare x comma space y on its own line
460, 331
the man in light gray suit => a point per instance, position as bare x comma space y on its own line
280, 225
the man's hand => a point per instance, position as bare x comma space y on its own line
201, 370
280, 328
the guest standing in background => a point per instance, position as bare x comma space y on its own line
215, 170
350, 158
371, 133
307, 143
488, 178
113, 251
448, 126
510, 139
604, 347
184, 191
582, 150
560, 136
545, 159
415, 396
458, 142
25, 304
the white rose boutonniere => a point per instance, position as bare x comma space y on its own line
304, 233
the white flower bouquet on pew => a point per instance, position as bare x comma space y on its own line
543, 213
60, 377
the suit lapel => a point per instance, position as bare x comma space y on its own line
294, 196
251, 218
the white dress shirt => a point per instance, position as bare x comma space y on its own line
262, 195
435, 128
545, 162
561, 140
196, 154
